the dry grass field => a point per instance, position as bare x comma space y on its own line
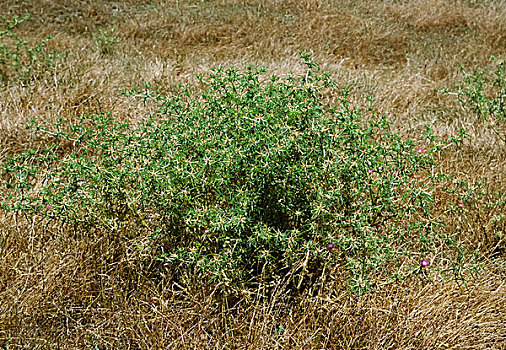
63, 289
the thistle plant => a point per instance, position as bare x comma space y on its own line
245, 181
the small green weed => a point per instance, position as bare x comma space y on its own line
106, 41
19, 60
246, 182
484, 94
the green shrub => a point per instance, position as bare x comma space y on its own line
245, 182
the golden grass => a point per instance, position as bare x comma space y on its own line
62, 289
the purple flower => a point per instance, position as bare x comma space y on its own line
424, 263
49, 206
461, 204
330, 246
371, 171
419, 150
361, 202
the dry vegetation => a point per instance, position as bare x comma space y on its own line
63, 289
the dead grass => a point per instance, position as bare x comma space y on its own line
65, 289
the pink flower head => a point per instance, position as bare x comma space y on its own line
419, 150
472, 191
461, 204
361, 202
371, 171
424, 263
206, 230
330, 246
49, 206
